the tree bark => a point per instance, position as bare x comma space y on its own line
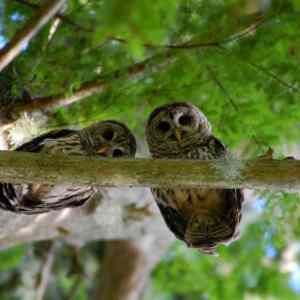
127, 266
30, 29
123, 262
21, 167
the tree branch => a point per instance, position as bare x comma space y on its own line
99, 85
221, 87
87, 89
21, 167
60, 16
30, 29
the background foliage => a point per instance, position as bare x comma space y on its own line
242, 70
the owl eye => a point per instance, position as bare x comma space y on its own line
164, 126
117, 153
108, 134
185, 120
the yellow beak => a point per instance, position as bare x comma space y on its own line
178, 134
103, 150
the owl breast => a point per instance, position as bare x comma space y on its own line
193, 202
189, 201
203, 153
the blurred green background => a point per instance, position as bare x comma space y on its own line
238, 61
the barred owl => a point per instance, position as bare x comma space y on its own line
201, 217
104, 139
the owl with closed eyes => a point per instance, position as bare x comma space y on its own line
103, 139
201, 217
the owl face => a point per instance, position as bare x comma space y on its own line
173, 127
109, 139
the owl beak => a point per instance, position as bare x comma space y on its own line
103, 150
178, 134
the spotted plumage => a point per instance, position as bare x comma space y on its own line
105, 139
201, 217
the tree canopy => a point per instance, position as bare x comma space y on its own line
237, 60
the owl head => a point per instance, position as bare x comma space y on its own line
173, 127
108, 139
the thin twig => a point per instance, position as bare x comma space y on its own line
46, 272
30, 29
247, 31
228, 96
274, 76
62, 17
262, 70
222, 88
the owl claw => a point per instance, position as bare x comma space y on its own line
268, 155
289, 158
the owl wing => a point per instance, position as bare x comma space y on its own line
174, 220
33, 198
233, 199
216, 147
37, 144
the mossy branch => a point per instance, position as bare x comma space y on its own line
21, 167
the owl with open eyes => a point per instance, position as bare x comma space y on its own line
104, 139
201, 217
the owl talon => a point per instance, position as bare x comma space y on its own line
268, 155
138, 213
289, 158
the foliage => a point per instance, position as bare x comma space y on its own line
11, 258
257, 265
75, 270
244, 75
258, 71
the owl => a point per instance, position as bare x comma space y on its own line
102, 139
201, 217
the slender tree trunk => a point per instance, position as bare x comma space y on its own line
21, 167
127, 266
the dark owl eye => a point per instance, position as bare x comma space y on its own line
164, 126
117, 153
108, 134
185, 120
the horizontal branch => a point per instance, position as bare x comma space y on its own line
20, 167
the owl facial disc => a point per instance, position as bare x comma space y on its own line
109, 139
